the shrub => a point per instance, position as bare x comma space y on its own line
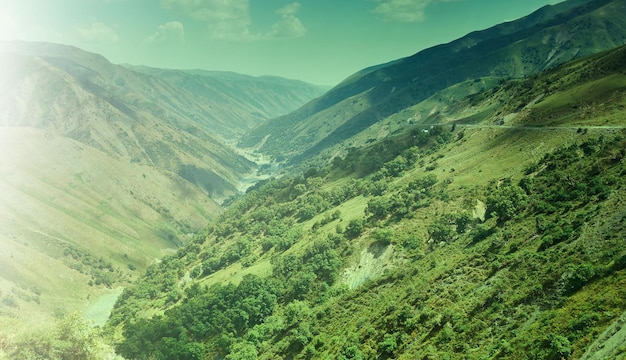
384, 236
389, 344
196, 272
70, 338
396, 166
354, 228
559, 346
575, 277
351, 353
378, 207
463, 222
441, 231
506, 202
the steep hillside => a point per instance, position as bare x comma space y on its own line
136, 117
497, 234
552, 35
103, 170
237, 102
77, 223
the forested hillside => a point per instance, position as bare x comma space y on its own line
467, 202
497, 233
523, 47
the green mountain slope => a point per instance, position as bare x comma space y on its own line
77, 224
103, 170
236, 102
137, 117
499, 234
552, 35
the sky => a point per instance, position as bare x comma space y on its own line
318, 41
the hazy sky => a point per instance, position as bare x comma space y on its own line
319, 41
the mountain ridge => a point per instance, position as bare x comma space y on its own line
481, 238
485, 220
389, 88
278, 94
103, 171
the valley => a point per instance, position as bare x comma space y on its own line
100, 177
465, 202
445, 240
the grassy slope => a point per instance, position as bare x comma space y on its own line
105, 170
544, 279
86, 195
515, 49
59, 198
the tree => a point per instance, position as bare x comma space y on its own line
296, 312
307, 212
351, 353
441, 231
463, 222
300, 335
70, 338
243, 351
378, 207
298, 190
196, 271
389, 344
506, 202
559, 346
575, 277
396, 166
354, 228
384, 236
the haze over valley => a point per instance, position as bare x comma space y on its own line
106, 169
466, 201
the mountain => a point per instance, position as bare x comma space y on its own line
237, 102
125, 114
551, 35
476, 217
77, 222
497, 234
103, 170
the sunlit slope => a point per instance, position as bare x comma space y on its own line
69, 92
103, 170
75, 221
499, 232
550, 36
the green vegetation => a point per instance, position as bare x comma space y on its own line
101, 271
70, 338
384, 253
490, 227
527, 279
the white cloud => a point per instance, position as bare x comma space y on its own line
231, 20
404, 10
98, 32
226, 19
170, 32
289, 26
289, 9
